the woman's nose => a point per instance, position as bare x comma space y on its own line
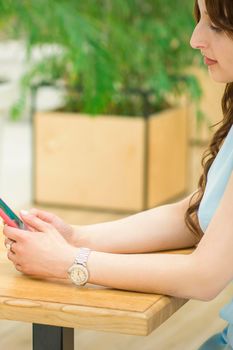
198, 39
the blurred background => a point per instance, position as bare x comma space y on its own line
105, 110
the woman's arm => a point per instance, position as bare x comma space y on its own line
44, 253
161, 228
168, 274
200, 275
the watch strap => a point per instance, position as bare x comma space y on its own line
82, 256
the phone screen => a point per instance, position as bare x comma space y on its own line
9, 217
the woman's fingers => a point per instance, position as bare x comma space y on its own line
12, 257
31, 228
14, 234
7, 242
18, 267
35, 223
43, 215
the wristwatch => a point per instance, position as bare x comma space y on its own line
78, 272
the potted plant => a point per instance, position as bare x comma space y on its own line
121, 65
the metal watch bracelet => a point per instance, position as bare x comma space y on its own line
82, 256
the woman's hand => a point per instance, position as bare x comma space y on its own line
66, 230
43, 253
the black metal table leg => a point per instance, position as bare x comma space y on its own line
52, 338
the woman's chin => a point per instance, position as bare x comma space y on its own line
219, 78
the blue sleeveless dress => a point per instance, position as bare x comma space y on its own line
217, 179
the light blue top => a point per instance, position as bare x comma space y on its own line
217, 179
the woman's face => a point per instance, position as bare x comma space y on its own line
215, 46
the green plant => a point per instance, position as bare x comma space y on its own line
115, 56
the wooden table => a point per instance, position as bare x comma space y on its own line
55, 308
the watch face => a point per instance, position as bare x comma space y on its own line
78, 274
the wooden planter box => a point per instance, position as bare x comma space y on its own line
106, 162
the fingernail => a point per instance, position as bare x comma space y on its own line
24, 212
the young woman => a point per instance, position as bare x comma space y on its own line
109, 253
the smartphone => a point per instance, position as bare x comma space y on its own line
9, 217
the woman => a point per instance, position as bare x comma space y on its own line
111, 254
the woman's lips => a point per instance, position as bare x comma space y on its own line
209, 62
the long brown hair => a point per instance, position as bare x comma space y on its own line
221, 15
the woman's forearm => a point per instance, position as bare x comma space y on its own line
168, 274
161, 228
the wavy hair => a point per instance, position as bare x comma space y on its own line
221, 14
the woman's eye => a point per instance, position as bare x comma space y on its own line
215, 29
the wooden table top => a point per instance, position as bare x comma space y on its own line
59, 303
